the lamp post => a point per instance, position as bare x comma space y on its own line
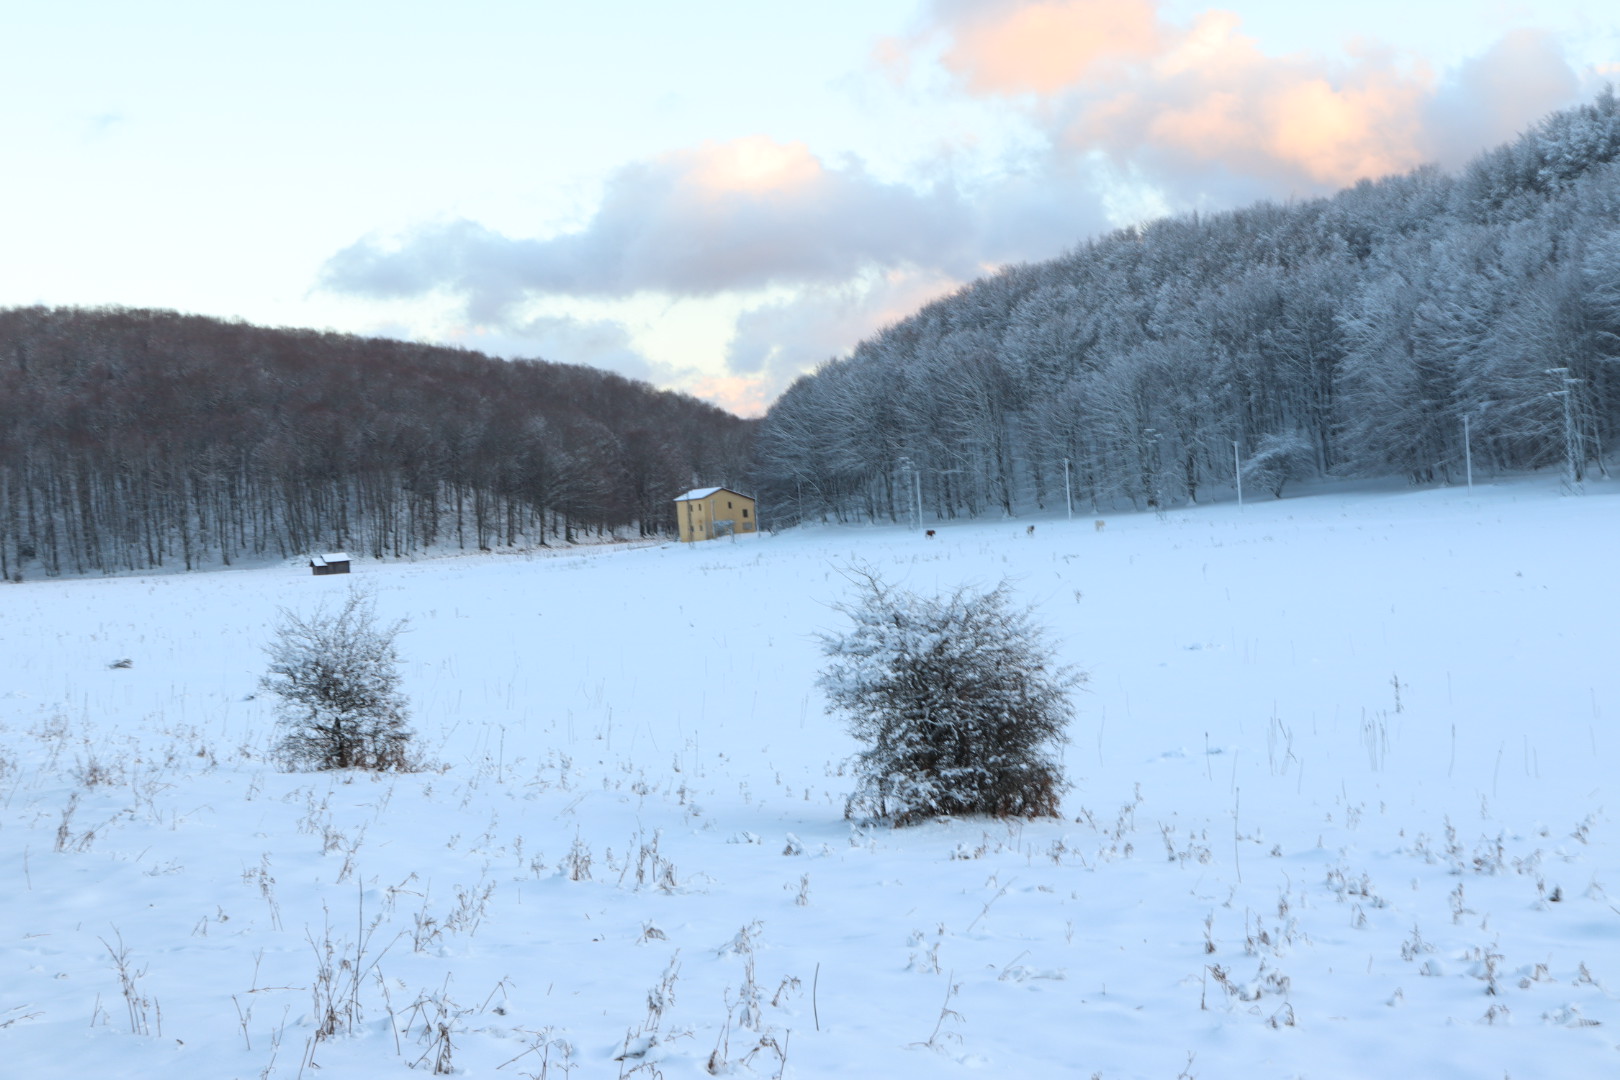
1571, 438
907, 466
1468, 453
1237, 471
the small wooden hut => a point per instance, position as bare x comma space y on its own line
336, 562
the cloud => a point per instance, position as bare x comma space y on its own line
1493, 97
1200, 105
779, 340
820, 255
743, 215
609, 345
1116, 113
1212, 98
1045, 46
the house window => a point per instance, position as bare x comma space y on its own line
745, 511
728, 504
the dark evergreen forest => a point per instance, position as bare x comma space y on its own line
1405, 327
142, 439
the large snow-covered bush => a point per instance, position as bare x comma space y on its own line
957, 700
337, 676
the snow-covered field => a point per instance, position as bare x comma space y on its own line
1343, 807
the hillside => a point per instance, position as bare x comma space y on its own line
142, 439
1397, 329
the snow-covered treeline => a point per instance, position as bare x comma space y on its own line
142, 439
1389, 330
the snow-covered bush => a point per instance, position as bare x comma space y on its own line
337, 676
956, 699
1278, 459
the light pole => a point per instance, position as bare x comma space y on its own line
1571, 439
1468, 453
908, 466
1237, 471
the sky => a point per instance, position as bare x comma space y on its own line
713, 197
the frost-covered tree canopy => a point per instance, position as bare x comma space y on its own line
1356, 333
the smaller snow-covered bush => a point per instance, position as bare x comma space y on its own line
957, 700
337, 677
1278, 459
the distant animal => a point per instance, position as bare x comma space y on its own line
1101, 524
930, 534
1030, 531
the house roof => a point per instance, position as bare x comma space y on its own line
704, 493
331, 557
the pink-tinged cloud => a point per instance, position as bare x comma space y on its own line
1214, 96
1045, 46
1199, 101
752, 167
1341, 134
742, 395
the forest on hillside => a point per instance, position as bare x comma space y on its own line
1413, 326
1409, 326
141, 439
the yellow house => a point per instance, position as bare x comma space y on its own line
710, 513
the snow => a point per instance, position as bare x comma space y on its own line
697, 493
1344, 779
